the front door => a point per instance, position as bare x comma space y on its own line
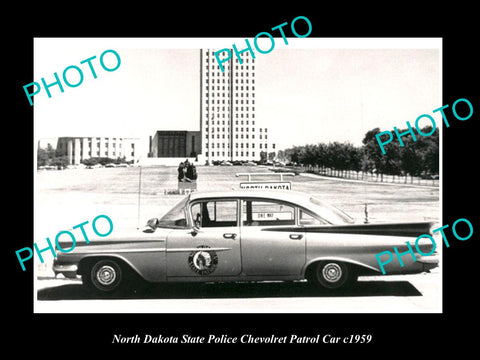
213, 249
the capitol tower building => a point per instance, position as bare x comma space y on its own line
229, 128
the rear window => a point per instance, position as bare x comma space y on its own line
330, 213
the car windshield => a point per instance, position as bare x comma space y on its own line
175, 218
330, 213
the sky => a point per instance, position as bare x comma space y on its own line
309, 91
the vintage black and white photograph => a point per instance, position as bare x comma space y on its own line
209, 175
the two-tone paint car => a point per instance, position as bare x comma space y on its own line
248, 236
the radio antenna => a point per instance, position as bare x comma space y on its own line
363, 170
139, 192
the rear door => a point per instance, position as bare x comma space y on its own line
271, 241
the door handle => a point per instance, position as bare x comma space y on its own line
296, 236
230, 236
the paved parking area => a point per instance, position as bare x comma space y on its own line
381, 294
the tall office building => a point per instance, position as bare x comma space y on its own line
229, 128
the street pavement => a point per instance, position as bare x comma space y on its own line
420, 293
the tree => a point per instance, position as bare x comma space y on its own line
60, 161
372, 151
293, 154
354, 158
432, 160
263, 156
411, 159
366, 164
414, 157
42, 157
46, 156
100, 160
337, 156
281, 156
308, 155
431, 155
89, 162
320, 155
388, 163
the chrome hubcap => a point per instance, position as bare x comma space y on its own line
332, 272
106, 275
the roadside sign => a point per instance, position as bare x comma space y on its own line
279, 215
267, 185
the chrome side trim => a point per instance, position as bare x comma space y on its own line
197, 249
121, 251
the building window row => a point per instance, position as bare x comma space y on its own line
218, 122
212, 153
241, 108
218, 73
246, 67
218, 102
237, 145
213, 67
246, 81
218, 129
212, 130
246, 101
247, 88
213, 81
246, 123
243, 60
218, 94
241, 115
218, 136
227, 153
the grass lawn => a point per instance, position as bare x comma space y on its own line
66, 198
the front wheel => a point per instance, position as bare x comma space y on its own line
104, 275
332, 275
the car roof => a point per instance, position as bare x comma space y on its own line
296, 197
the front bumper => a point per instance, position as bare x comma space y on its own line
69, 271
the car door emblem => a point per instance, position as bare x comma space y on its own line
203, 262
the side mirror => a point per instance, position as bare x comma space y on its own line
151, 225
195, 230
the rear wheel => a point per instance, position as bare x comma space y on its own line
332, 274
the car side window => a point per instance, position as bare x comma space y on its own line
215, 213
266, 213
307, 218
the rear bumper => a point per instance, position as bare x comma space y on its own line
429, 262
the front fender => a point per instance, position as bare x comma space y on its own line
150, 265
